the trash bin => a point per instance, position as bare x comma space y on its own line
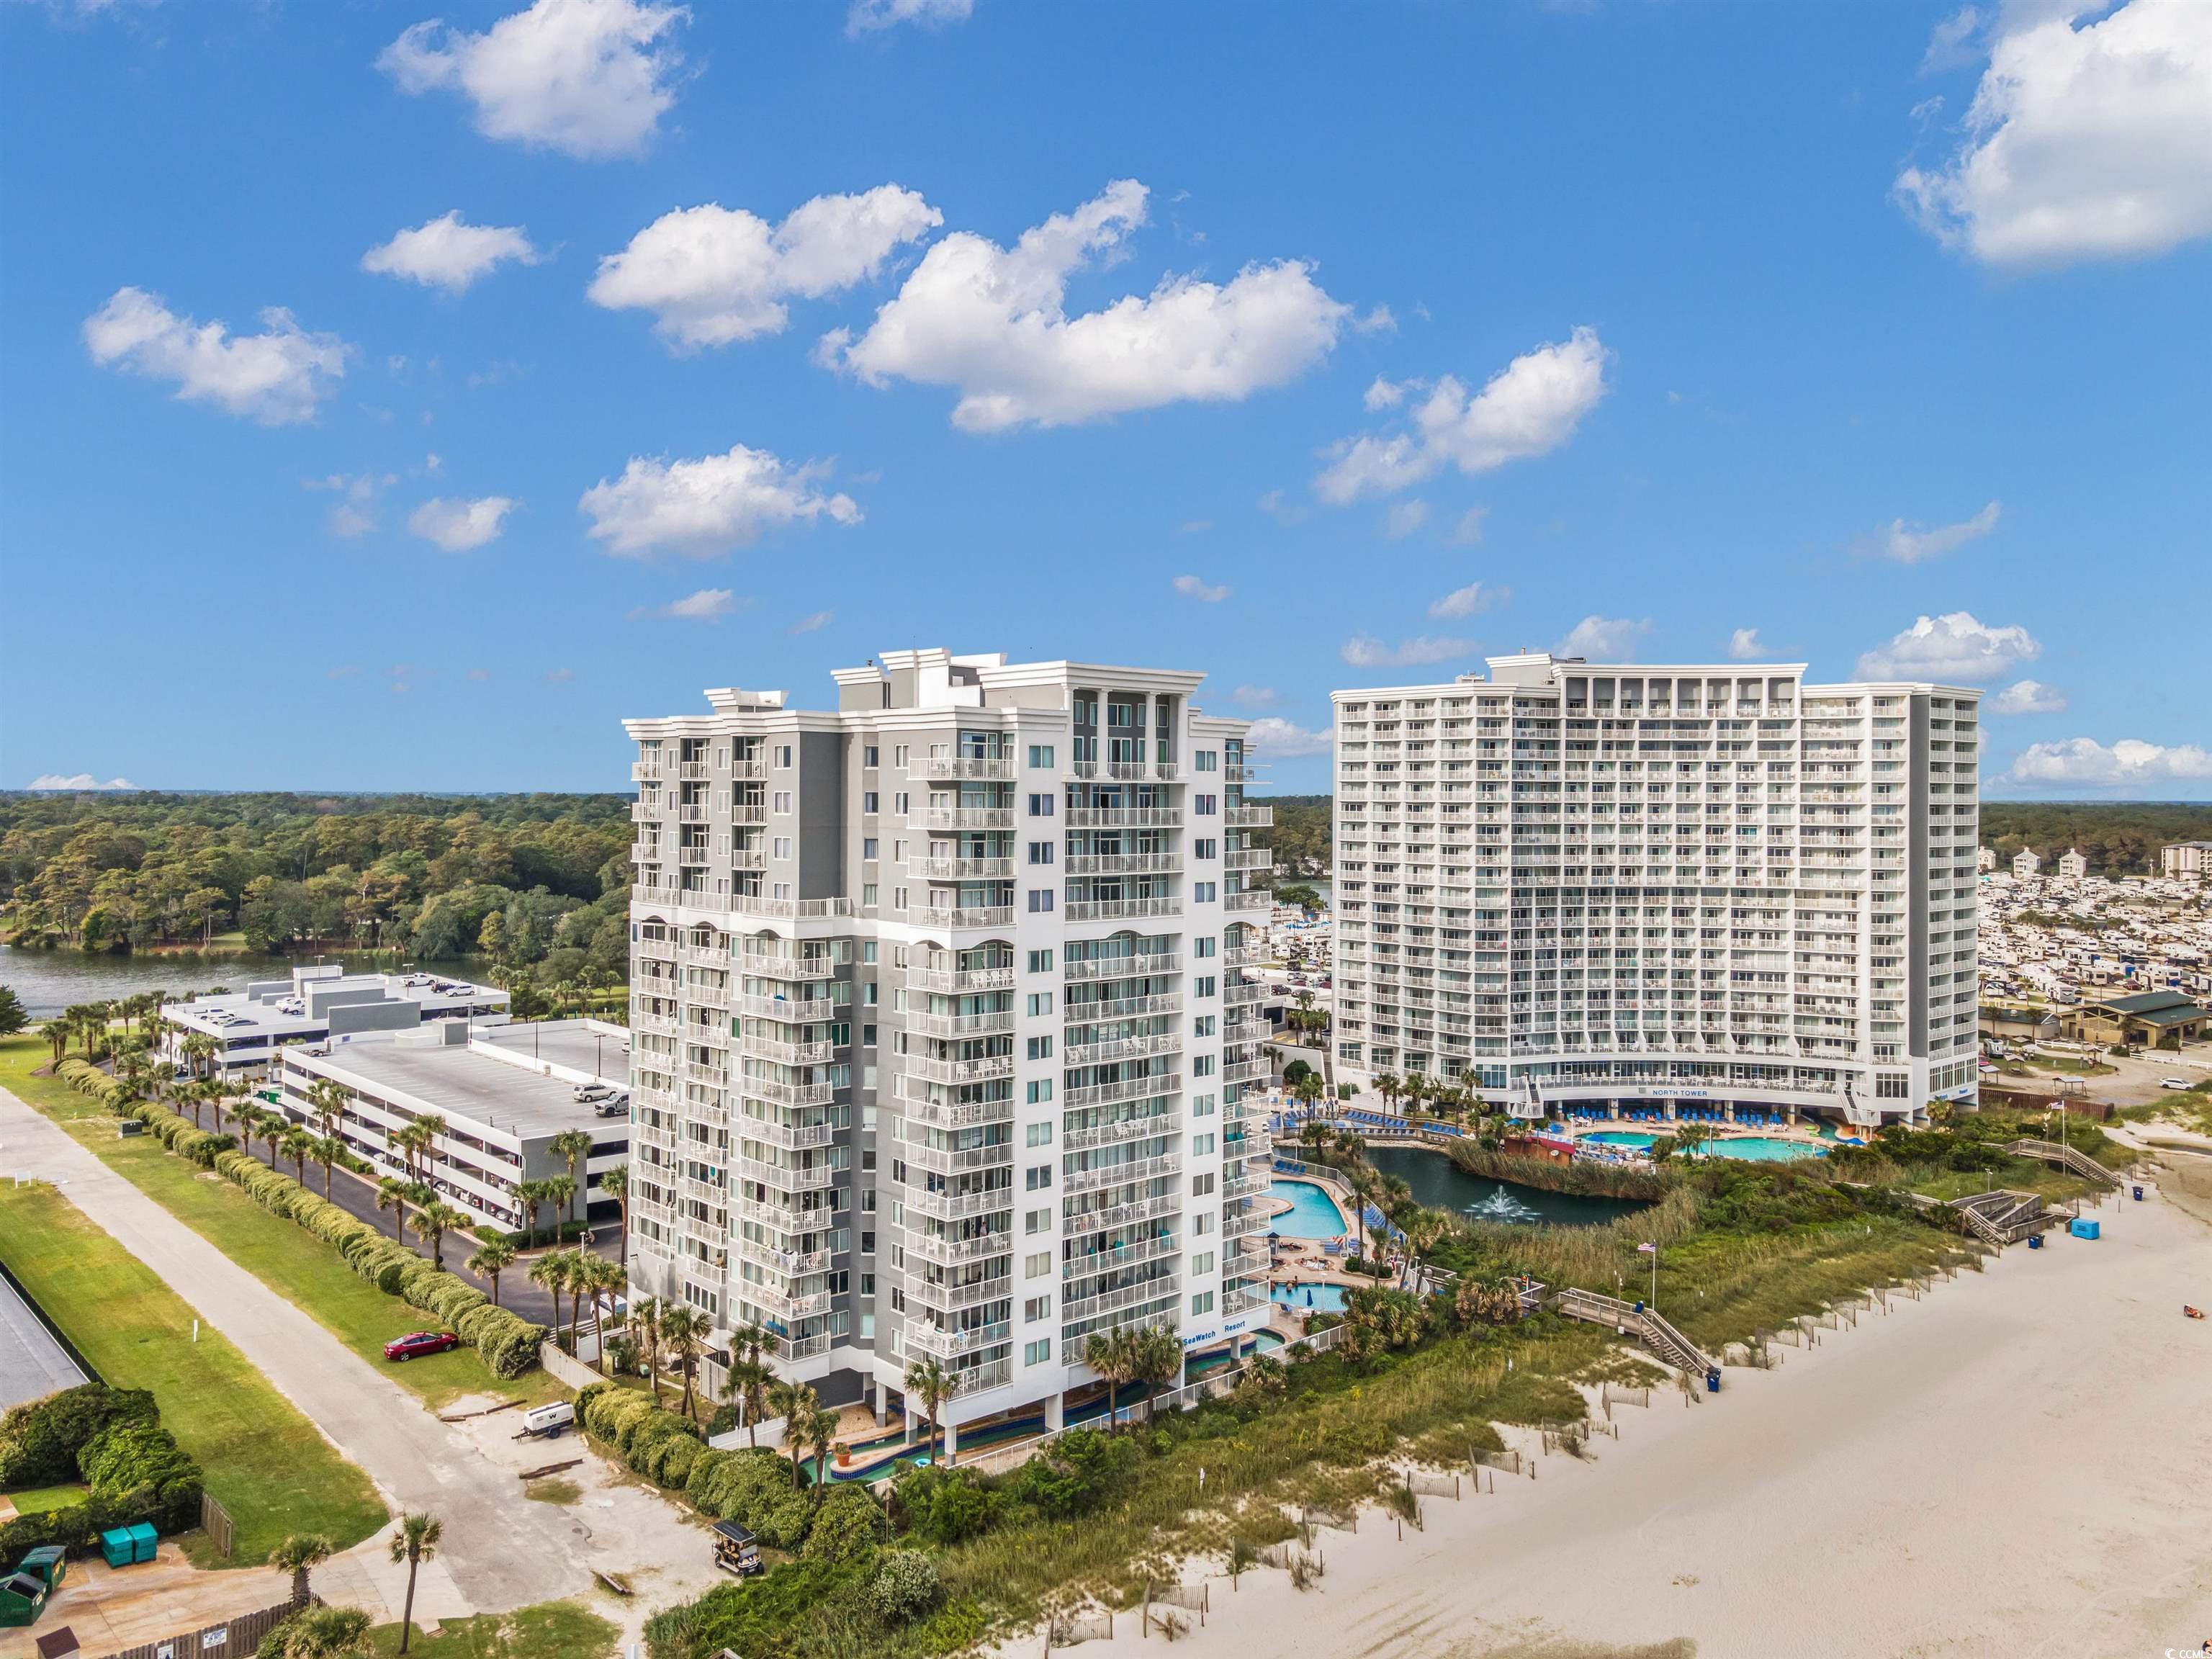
1712, 1379
2138, 1191
116, 1548
2035, 1241
144, 1541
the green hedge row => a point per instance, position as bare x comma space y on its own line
111, 1439
179, 1135
84, 1077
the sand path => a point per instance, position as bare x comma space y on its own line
2019, 1464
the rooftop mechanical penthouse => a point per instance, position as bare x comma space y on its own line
940, 1026
1640, 886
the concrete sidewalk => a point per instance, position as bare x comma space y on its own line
501, 1551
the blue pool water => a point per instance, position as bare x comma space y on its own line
1313, 1213
1319, 1299
1757, 1149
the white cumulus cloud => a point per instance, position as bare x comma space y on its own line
2083, 761
1404, 518
2082, 142
869, 14
703, 507
1196, 587
1469, 530
1909, 543
1528, 408
457, 524
814, 624
277, 377
2029, 697
712, 275
448, 252
1953, 647
708, 605
1365, 651
591, 78
1602, 638
80, 781
1744, 645
1470, 601
991, 321
1273, 736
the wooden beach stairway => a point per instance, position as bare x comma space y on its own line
1645, 1325
2065, 1158
2004, 1216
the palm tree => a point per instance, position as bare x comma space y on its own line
749, 1376
328, 1151
438, 1218
493, 1257
559, 1189
328, 1100
392, 1194
682, 1326
299, 1554
56, 1034
614, 1184
415, 1542
327, 1633
1422, 1236
270, 1126
576, 1145
644, 1320
549, 1272
597, 1277
530, 1195
1366, 1186
297, 1144
817, 1433
1155, 1360
796, 1403
1109, 1353
932, 1385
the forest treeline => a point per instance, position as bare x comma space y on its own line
528, 879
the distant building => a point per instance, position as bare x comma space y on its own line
2025, 864
2153, 1019
2186, 858
318, 1004
1985, 861
503, 1096
2072, 866
2003, 1023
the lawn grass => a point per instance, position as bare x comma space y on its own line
555, 1629
290, 1260
37, 1500
263, 1462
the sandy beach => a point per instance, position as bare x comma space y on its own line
2019, 1464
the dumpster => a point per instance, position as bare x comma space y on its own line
116, 1548
2083, 1227
144, 1541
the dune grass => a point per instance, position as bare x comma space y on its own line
290, 1261
265, 1462
553, 1630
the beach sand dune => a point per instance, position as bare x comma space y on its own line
2019, 1464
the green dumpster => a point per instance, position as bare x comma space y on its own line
143, 1541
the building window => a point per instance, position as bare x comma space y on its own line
1037, 1308
1038, 1266
869, 847
1041, 756
1201, 1264
782, 800
1040, 900
781, 847
898, 755
1205, 760
1201, 1303
1203, 945
1040, 1048
1037, 1178
1040, 1091
1040, 1003
1204, 892
1203, 985
1202, 1145
1040, 852
1202, 1064
783, 754
870, 802
868, 755
1036, 1221
1206, 805
1037, 1134
1036, 1353
1201, 1105
1206, 848
1040, 807
1040, 961
1205, 1025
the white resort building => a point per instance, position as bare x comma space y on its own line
319, 1003
1612, 887
941, 1034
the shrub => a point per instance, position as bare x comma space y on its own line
906, 1586
41, 1440
944, 1506
134, 1468
1076, 1473
848, 1523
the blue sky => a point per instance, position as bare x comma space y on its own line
396, 402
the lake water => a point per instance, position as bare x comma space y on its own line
1441, 1184
50, 980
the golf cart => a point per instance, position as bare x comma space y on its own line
736, 1550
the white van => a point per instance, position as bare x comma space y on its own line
548, 1422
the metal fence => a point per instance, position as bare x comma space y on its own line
233, 1638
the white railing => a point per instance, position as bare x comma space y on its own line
968, 817
1128, 1296
957, 1207
945, 1115
1107, 1094
1124, 818
985, 1070
1123, 863
1125, 1008
957, 1252
948, 1160
1135, 1047
988, 916
928, 1339
1123, 1129
1121, 1175
953, 1297
1105, 1261
960, 1025
1147, 965
1121, 909
989, 770
792, 1013
965, 869
955, 981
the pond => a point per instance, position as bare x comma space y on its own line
1441, 1184
50, 980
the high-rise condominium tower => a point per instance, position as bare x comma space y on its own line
940, 1033
1622, 886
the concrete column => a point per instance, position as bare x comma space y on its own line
876, 1400
1055, 1413
1727, 1110
1613, 1110
1670, 1111
952, 1433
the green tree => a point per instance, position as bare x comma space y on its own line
550, 1272
931, 1385
1112, 1355
492, 1258
13, 1015
299, 1554
682, 1327
329, 1151
749, 1377
559, 1189
392, 1194
437, 1218
615, 1183
575, 1145
796, 1403
1156, 1361
415, 1542
321, 1632
645, 1321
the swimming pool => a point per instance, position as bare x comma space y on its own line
1755, 1149
1313, 1213
1305, 1298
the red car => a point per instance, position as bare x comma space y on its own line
420, 1342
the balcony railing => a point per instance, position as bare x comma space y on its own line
960, 1025
641, 771
791, 1178
1107, 1094
953, 983
1135, 1047
1121, 1175
946, 1160
960, 916
957, 1252
791, 1054
1251, 899
945, 1115
792, 1137
1123, 863
1128, 1296
928, 1339
967, 869
957, 1207
985, 1070
791, 1014
1124, 818
1112, 1216
999, 770
1123, 1129
1147, 965
952, 1298
1121, 909
1249, 858
788, 1094
1248, 817
1103, 1261
1123, 1008
968, 817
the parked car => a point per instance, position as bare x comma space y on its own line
587, 1092
2175, 1083
417, 1343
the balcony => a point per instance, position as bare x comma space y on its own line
945, 1115
1000, 771
1249, 858
959, 916
955, 982
790, 1053
968, 817
791, 1014
1121, 909
1121, 1130
716, 1077
1124, 864
952, 1298
1248, 818
946, 1252
1125, 1255
946, 1160
1121, 1175
782, 1305
965, 869
1136, 1048
791, 1178
646, 811
1238, 991
957, 1207
1109, 1094
1149, 965
928, 1339
960, 1025
1128, 1296
1108, 1217
704, 955
1245, 1071
788, 1094
644, 771
792, 1264
665, 1024
1123, 1008
692, 771
812, 909
792, 1137
1124, 818
985, 1070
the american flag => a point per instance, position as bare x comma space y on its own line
1648, 1249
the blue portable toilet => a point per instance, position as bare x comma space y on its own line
2085, 1228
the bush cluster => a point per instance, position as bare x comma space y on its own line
179, 1135
657, 1443
87, 1079
112, 1440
